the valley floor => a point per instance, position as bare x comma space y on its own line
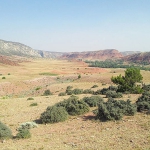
78, 132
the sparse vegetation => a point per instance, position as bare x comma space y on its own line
48, 74
3, 77
80, 128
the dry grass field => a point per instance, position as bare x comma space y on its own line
31, 79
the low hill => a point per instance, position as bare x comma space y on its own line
94, 55
138, 58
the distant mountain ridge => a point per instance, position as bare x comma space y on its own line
94, 55
8, 48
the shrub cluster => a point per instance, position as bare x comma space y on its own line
146, 87
74, 91
47, 92
88, 91
93, 101
114, 110
143, 102
5, 132
27, 125
23, 134
105, 90
68, 89
54, 114
74, 106
113, 94
62, 94
23, 130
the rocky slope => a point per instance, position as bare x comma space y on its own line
13, 48
129, 53
48, 54
94, 55
138, 58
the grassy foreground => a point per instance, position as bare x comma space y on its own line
79, 132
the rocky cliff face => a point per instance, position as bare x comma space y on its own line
94, 55
48, 54
13, 48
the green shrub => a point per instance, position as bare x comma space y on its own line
113, 94
38, 88
146, 87
143, 102
74, 106
75, 91
115, 110
68, 90
54, 114
69, 87
23, 134
47, 92
30, 98
113, 88
33, 104
62, 94
97, 92
94, 86
104, 90
3, 77
28, 125
93, 101
5, 132
88, 91
8, 73
79, 76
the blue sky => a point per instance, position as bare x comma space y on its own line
77, 25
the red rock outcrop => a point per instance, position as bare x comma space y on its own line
94, 55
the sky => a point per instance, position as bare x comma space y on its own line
77, 25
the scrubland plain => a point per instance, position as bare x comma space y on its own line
83, 132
